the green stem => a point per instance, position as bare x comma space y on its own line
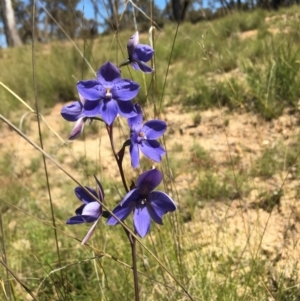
132, 240
134, 267
109, 129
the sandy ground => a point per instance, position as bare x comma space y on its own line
222, 227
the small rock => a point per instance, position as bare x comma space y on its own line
116, 198
266, 142
12, 225
238, 150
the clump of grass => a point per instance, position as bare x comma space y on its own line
211, 187
269, 200
273, 84
267, 165
230, 94
197, 119
291, 157
54, 70
252, 21
85, 164
200, 158
285, 287
277, 159
177, 147
239, 22
35, 164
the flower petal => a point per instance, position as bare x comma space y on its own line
72, 111
152, 149
156, 213
83, 196
100, 191
92, 209
135, 123
108, 111
142, 53
77, 129
91, 89
135, 155
80, 219
121, 212
143, 67
131, 198
90, 232
82, 99
158, 204
78, 211
126, 109
160, 199
132, 43
141, 221
108, 73
148, 180
92, 108
153, 129
135, 66
125, 89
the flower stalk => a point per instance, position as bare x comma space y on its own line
132, 241
119, 159
103, 99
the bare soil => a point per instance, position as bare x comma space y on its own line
220, 227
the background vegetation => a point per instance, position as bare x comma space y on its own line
246, 62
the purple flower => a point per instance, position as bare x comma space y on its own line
142, 137
73, 112
91, 210
108, 95
145, 203
139, 54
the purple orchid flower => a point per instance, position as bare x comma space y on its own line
138, 54
108, 95
146, 203
91, 210
143, 137
73, 112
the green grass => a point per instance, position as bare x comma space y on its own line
267, 165
200, 158
267, 80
